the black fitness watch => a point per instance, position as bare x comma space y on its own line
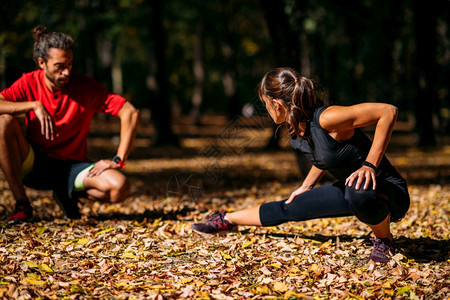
119, 161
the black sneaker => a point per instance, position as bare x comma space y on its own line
22, 213
213, 224
69, 206
382, 250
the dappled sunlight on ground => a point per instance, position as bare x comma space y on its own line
145, 247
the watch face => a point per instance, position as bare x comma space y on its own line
116, 159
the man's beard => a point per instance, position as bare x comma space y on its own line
58, 83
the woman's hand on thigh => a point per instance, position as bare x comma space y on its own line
364, 174
297, 192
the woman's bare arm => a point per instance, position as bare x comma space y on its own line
336, 119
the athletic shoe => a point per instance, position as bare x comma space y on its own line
22, 213
69, 206
213, 224
382, 250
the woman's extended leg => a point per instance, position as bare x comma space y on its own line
248, 216
321, 202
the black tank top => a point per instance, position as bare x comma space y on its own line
341, 158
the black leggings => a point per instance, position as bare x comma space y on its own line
337, 200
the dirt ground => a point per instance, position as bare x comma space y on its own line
144, 247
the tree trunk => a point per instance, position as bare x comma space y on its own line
2, 68
285, 44
426, 101
199, 71
229, 77
228, 44
159, 103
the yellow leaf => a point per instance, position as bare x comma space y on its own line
40, 230
105, 231
280, 287
45, 268
129, 254
314, 268
199, 270
156, 222
275, 265
225, 256
186, 280
198, 283
39, 253
294, 271
325, 245
96, 249
403, 290
33, 276
83, 241
247, 244
122, 284
354, 296
262, 290
294, 295
31, 264
202, 295
33, 279
389, 292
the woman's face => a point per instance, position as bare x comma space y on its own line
276, 108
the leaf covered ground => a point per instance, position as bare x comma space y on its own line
145, 248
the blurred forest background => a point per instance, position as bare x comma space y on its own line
192, 67
195, 57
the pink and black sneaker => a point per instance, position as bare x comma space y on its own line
214, 223
22, 213
382, 250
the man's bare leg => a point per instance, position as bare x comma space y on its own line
110, 186
13, 151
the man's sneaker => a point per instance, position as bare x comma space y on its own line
22, 213
213, 224
69, 206
382, 250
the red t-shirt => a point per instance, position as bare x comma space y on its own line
72, 110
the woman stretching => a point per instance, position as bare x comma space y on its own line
368, 186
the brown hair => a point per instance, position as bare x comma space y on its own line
298, 93
44, 40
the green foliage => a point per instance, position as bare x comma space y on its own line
364, 50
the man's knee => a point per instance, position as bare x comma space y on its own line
120, 191
6, 123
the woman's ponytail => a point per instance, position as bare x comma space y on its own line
298, 93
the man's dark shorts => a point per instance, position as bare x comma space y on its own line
54, 174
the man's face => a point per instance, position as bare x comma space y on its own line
58, 68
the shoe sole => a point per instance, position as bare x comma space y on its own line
17, 221
20, 219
